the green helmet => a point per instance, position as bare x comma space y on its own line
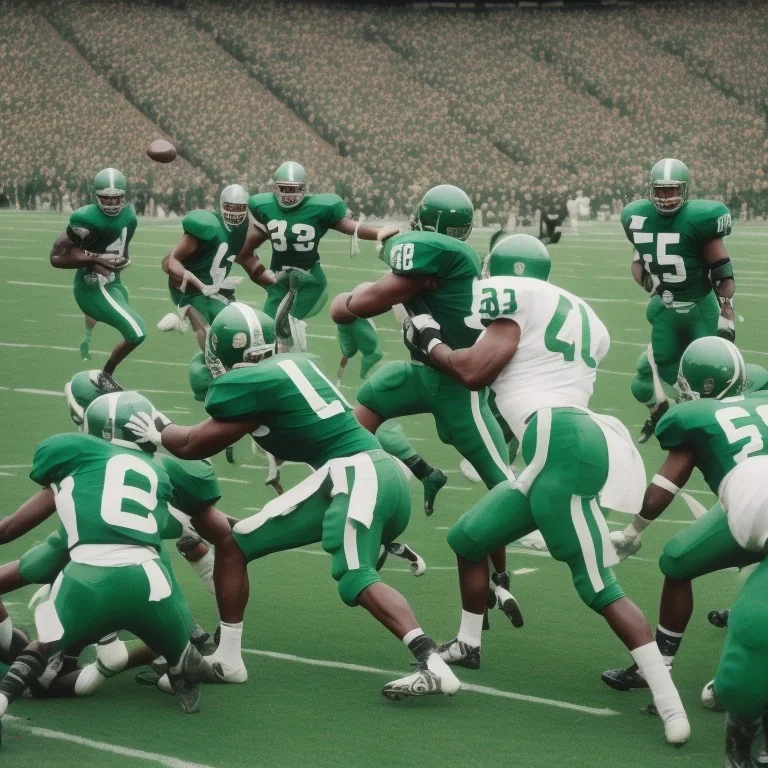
107, 416
81, 390
445, 209
757, 379
239, 335
518, 256
710, 367
234, 205
290, 181
669, 174
109, 188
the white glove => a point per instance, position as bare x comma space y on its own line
209, 290
204, 569
726, 329
628, 541
147, 427
230, 283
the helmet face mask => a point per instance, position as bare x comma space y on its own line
109, 189
444, 209
239, 336
711, 367
106, 418
290, 182
668, 187
234, 205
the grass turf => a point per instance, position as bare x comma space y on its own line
292, 713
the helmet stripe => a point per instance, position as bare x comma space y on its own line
111, 178
290, 171
738, 365
112, 399
668, 169
252, 320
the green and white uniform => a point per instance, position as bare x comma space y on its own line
105, 299
211, 263
113, 504
462, 417
356, 499
360, 336
295, 234
575, 460
684, 306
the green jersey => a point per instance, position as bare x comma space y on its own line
303, 416
723, 433
456, 267
105, 493
194, 483
92, 230
219, 245
671, 246
295, 233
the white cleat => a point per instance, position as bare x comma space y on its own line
217, 671
533, 541
172, 322
469, 471
709, 698
432, 677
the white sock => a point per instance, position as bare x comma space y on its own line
112, 655
88, 680
471, 628
229, 650
6, 634
3, 704
657, 675
412, 635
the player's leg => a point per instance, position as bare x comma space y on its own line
346, 337
372, 509
702, 319
567, 465
500, 517
395, 390
85, 344
12, 639
312, 295
368, 344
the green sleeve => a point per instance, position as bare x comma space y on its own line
80, 227
670, 431
627, 212
240, 395
134, 222
255, 203
407, 255
53, 458
712, 220
194, 484
336, 210
202, 225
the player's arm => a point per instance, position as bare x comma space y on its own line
348, 226
376, 298
66, 255
249, 260
479, 365
721, 274
665, 485
28, 516
173, 264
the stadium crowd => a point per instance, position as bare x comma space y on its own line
517, 107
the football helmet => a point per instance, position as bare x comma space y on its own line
518, 256
109, 189
669, 174
290, 182
106, 417
710, 367
445, 209
239, 335
81, 390
234, 205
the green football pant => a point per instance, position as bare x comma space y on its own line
393, 440
462, 417
109, 304
206, 306
741, 682
567, 465
43, 563
327, 516
704, 547
310, 297
199, 376
88, 602
672, 330
513, 444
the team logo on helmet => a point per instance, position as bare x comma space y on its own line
667, 298
519, 268
707, 387
239, 341
214, 341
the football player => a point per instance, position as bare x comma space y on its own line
295, 222
356, 499
540, 353
198, 267
434, 270
96, 245
112, 500
680, 260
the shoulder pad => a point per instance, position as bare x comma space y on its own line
202, 225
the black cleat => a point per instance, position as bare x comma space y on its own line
432, 483
506, 600
740, 742
459, 654
414, 559
646, 433
624, 679
106, 384
229, 452
202, 640
186, 684
718, 618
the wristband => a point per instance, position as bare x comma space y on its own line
433, 343
667, 485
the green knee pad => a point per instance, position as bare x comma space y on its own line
393, 440
43, 563
352, 583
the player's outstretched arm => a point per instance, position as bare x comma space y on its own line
28, 516
348, 226
249, 260
479, 365
373, 299
173, 263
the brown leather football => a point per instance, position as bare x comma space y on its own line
161, 151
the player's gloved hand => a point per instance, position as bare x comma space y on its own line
726, 329
112, 261
421, 334
148, 426
628, 541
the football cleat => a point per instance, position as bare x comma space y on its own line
624, 679
229, 452
430, 677
202, 640
186, 684
709, 698
505, 600
432, 483
646, 433
216, 671
460, 654
718, 618
172, 322
469, 471
740, 746
85, 349
415, 561
106, 383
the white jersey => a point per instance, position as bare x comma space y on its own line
562, 341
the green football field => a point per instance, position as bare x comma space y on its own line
316, 666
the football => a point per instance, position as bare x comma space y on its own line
161, 151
